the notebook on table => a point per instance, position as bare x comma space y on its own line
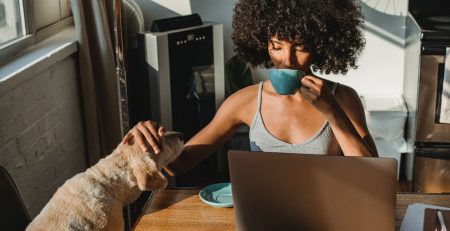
423, 217
281, 191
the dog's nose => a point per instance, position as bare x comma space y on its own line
179, 135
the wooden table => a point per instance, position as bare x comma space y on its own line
182, 209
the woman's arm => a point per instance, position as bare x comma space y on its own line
207, 140
345, 115
348, 123
149, 134
232, 113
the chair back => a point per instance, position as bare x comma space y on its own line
13, 213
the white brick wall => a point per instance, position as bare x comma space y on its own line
41, 132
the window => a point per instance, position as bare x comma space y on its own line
24, 23
12, 21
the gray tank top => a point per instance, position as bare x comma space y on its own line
262, 140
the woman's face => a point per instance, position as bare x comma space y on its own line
289, 54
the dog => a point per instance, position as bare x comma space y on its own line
94, 199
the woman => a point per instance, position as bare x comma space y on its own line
322, 117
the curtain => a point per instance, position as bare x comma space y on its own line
97, 76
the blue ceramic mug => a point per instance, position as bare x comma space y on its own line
285, 81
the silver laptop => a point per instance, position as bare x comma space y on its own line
282, 191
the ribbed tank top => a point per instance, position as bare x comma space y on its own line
262, 140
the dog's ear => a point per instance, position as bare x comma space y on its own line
148, 177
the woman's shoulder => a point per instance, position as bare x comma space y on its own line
244, 95
348, 98
241, 105
340, 91
343, 92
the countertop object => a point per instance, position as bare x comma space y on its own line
386, 118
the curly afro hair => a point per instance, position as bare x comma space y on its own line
331, 28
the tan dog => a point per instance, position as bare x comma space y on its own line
94, 199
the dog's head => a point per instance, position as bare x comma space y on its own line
146, 167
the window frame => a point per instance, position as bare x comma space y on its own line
31, 36
11, 48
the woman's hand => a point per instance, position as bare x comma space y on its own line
316, 92
148, 134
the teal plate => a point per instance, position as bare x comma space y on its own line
218, 195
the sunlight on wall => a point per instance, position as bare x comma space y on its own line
381, 65
182, 7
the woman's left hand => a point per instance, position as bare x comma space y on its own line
317, 93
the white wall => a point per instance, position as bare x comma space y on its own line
181, 7
380, 65
41, 132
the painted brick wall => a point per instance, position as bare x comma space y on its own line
41, 132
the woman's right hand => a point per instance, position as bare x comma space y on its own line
148, 134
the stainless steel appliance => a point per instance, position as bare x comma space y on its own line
427, 51
186, 76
